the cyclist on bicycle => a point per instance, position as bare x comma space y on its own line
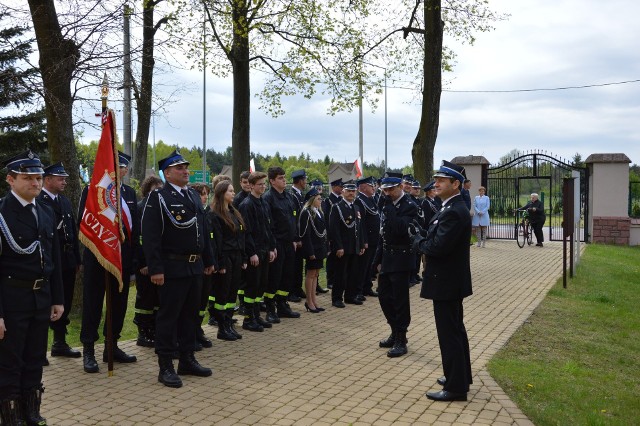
535, 208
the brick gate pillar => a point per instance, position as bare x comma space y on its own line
608, 198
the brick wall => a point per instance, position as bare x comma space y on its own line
611, 230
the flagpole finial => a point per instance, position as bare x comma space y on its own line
105, 92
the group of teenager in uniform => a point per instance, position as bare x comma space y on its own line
198, 249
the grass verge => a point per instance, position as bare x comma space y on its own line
576, 360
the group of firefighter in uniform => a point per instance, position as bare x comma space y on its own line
247, 248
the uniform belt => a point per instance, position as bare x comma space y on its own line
396, 249
35, 284
191, 258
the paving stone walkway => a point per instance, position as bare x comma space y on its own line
326, 368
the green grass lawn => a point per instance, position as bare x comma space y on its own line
576, 360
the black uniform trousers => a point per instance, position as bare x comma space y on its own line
179, 299
281, 270
454, 344
93, 290
393, 294
23, 350
146, 304
365, 267
68, 283
346, 278
225, 286
256, 278
208, 284
330, 266
297, 274
537, 230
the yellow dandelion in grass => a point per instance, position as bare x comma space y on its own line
603, 411
529, 385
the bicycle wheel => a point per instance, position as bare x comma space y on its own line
529, 234
521, 234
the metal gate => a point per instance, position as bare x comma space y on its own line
510, 184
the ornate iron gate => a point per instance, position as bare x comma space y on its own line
510, 184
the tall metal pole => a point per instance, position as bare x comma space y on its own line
386, 164
360, 136
204, 101
126, 120
154, 141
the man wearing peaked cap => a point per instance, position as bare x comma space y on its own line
447, 280
431, 203
178, 250
31, 293
395, 261
334, 197
371, 227
93, 292
299, 178
55, 182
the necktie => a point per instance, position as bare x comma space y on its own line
185, 192
32, 208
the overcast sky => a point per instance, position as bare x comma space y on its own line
545, 44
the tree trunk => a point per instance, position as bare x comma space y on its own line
240, 135
58, 61
423, 145
145, 95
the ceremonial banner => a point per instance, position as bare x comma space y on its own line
101, 224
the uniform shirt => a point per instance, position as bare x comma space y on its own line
345, 232
65, 224
257, 218
370, 217
394, 253
282, 208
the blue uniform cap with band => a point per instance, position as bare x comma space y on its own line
27, 163
56, 170
316, 182
337, 182
123, 159
298, 174
390, 179
368, 180
174, 159
415, 184
349, 185
312, 193
450, 170
428, 187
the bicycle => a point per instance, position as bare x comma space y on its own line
523, 229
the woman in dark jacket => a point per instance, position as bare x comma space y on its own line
313, 232
229, 229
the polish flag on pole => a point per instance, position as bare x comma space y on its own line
358, 166
252, 165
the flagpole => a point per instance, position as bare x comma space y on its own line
107, 288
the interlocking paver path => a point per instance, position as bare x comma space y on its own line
323, 368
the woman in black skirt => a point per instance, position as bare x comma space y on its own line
313, 232
229, 230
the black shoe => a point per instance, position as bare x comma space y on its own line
539, 245
31, 400
188, 366
284, 310
353, 301
62, 349
389, 341
294, 298
361, 298
263, 323
337, 304
223, 334
444, 395
371, 293
252, 325
442, 381
202, 339
89, 362
228, 325
119, 356
321, 290
313, 311
144, 339
399, 345
167, 375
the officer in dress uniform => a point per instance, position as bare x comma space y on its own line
31, 292
395, 262
177, 247
447, 280
347, 244
371, 227
430, 203
299, 178
94, 275
55, 181
334, 197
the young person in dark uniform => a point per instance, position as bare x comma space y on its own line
536, 217
260, 249
282, 208
299, 178
214, 240
31, 291
146, 304
431, 203
178, 251
370, 226
334, 197
246, 189
54, 183
347, 244
447, 280
93, 286
313, 232
229, 229
396, 262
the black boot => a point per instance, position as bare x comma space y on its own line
399, 346
259, 320
228, 322
11, 412
271, 316
145, 338
167, 375
31, 399
89, 358
223, 331
201, 338
118, 355
249, 322
60, 347
389, 341
284, 310
188, 366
